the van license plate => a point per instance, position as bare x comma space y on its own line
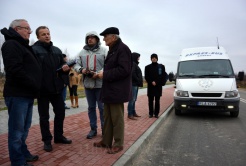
202, 103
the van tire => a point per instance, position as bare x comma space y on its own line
177, 112
234, 114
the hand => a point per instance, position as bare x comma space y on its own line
84, 71
153, 83
100, 74
95, 76
65, 68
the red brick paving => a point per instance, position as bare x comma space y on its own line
81, 151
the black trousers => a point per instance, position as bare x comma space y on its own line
157, 105
59, 111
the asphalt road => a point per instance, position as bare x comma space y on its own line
209, 139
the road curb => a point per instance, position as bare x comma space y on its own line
128, 157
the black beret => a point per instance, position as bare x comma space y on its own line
110, 30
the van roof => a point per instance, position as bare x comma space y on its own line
200, 53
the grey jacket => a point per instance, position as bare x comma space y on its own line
92, 59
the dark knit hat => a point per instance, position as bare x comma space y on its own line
110, 30
154, 56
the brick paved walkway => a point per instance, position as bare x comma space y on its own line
81, 151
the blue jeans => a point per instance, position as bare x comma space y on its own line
64, 94
93, 97
131, 104
20, 119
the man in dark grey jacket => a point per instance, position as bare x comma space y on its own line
116, 89
22, 85
137, 81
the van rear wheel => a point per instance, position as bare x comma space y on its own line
177, 112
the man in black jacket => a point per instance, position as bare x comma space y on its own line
22, 85
154, 75
137, 81
51, 59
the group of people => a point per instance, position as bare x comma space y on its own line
110, 79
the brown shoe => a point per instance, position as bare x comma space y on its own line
115, 149
132, 117
99, 144
136, 115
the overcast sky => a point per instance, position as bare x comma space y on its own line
164, 27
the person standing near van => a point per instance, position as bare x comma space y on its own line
154, 76
89, 62
137, 81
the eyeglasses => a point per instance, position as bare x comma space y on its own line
26, 28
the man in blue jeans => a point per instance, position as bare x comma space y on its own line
89, 62
137, 81
22, 85
66, 83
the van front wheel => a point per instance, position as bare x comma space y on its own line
177, 112
234, 113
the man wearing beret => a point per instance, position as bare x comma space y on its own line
116, 89
154, 76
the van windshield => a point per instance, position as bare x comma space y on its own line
205, 68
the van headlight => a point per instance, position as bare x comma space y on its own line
229, 94
181, 93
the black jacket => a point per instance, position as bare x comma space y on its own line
23, 72
152, 74
137, 77
117, 78
51, 59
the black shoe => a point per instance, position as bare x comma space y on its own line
156, 116
91, 134
32, 158
27, 164
63, 140
48, 147
66, 107
150, 116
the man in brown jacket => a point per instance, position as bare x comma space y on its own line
116, 89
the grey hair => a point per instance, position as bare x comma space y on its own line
117, 36
16, 23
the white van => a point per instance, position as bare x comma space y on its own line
205, 81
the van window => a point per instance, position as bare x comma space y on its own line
214, 67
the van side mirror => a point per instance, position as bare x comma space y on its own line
240, 76
171, 77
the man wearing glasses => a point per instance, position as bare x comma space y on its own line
89, 62
22, 85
